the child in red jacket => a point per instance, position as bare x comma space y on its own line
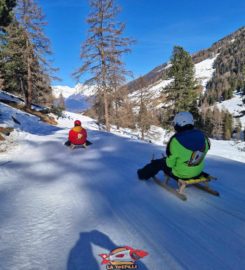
77, 135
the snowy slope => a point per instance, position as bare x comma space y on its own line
235, 106
60, 208
203, 73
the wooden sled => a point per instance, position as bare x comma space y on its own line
77, 146
201, 182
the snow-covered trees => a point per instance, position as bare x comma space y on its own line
229, 69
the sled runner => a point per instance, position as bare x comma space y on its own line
77, 146
74, 146
201, 182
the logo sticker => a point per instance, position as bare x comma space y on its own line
123, 258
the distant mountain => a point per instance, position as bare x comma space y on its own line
203, 72
65, 91
76, 99
228, 53
229, 75
220, 70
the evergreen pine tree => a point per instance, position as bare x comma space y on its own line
13, 66
6, 7
181, 94
36, 81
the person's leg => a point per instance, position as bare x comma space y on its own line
88, 142
67, 143
151, 169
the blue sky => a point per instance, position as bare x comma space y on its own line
156, 25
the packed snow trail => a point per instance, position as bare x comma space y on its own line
60, 208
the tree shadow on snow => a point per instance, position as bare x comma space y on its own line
81, 256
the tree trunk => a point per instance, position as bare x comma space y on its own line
29, 85
28, 91
107, 122
117, 114
142, 134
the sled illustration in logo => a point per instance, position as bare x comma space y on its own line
123, 256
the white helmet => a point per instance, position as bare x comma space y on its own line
183, 118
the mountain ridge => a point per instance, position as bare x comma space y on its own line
159, 72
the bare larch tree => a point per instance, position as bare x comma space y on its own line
101, 54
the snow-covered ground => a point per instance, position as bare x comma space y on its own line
154, 89
61, 208
235, 106
204, 71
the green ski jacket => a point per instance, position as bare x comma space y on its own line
186, 151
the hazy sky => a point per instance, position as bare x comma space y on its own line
156, 25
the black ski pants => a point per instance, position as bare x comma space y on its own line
151, 169
68, 143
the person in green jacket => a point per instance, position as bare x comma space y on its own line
185, 151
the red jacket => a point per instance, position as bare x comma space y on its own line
77, 135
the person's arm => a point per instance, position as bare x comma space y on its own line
85, 134
208, 143
70, 135
172, 157
168, 146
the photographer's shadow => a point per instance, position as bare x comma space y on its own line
81, 256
